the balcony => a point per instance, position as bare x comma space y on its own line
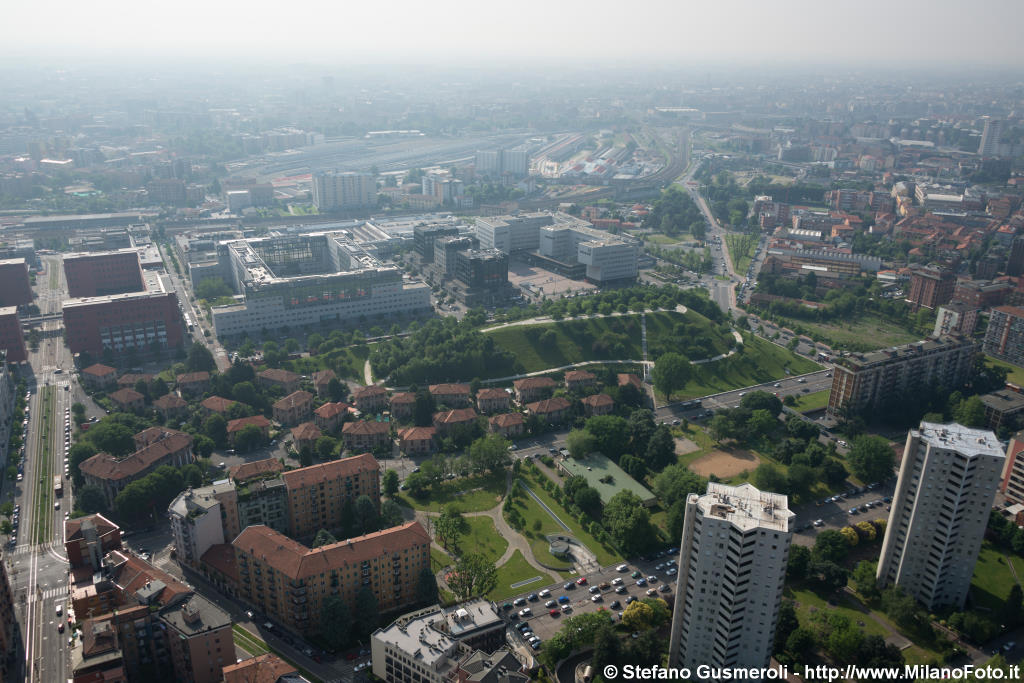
298, 601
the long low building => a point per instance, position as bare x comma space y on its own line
290, 582
311, 279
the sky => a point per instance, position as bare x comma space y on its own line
578, 32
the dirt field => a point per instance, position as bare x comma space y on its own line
725, 465
537, 279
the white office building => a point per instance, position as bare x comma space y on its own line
196, 520
940, 509
511, 233
333, 190
732, 565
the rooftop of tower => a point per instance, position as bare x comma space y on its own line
746, 507
962, 439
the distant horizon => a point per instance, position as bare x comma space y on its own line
659, 34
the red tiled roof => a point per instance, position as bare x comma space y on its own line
131, 573
221, 557
365, 427
335, 469
457, 416
1015, 311
217, 404
449, 389
417, 433
190, 377
279, 375
307, 431
597, 400
151, 434
368, 392
625, 378
106, 466
125, 396
534, 383
99, 370
506, 420
243, 422
168, 401
491, 395
130, 379
403, 397
268, 668
323, 376
255, 468
329, 410
295, 398
579, 376
548, 405
296, 561
73, 527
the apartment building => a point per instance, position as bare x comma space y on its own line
403, 405
451, 395
493, 401
509, 425
199, 519
12, 337
597, 404
416, 440
371, 399
446, 420
111, 474
732, 566
258, 421
99, 376
294, 409
305, 436
550, 410
940, 509
1002, 409
955, 318
931, 286
532, 389
128, 400
349, 190
365, 435
88, 539
289, 582
286, 380
193, 383
329, 416
1004, 337
317, 494
321, 380
863, 381
1012, 484
577, 380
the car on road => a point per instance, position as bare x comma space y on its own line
359, 667
60, 627
60, 609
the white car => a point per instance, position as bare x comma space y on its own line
617, 581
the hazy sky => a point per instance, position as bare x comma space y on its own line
665, 32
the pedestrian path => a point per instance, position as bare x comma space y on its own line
47, 595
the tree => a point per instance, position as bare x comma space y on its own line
607, 647
1010, 612
365, 612
390, 514
424, 408
641, 427
589, 500
473, 575
323, 537
800, 643
676, 482
870, 458
671, 373
970, 412
245, 392
638, 616
78, 410
849, 534
79, 453
215, 428
799, 562
788, 622
628, 523
111, 437
426, 586
863, 580
367, 516
762, 400
830, 546
770, 478
203, 445
580, 443
661, 449
389, 483
448, 527
335, 622
199, 359
611, 435
760, 424
248, 438
490, 453
417, 483
212, 288
336, 390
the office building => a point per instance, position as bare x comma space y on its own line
333, 190
955, 318
313, 279
947, 482
481, 277
15, 286
317, 495
1002, 408
991, 136
289, 582
1004, 336
511, 233
102, 273
861, 382
12, 337
607, 258
424, 237
427, 646
135, 320
446, 249
931, 286
732, 566
514, 162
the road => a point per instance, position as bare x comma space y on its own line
37, 565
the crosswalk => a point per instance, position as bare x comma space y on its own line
48, 594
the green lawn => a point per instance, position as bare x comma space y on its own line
605, 556
538, 524
992, 578
515, 570
439, 560
865, 332
481, 537
760, 361
741, 249
615, 338
809, 602
658, 238
347, 363
1015, 374
470, 494
807, 403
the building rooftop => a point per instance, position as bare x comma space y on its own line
456, 416
369, 427
329, 410
1004, 400
279, 375
963, 440
217, 404
267, 668
307, 431
505, 420
367, 392
256, 468
296, 398
73, 527
197, 615
334, 469
417, 433
243, 422
402, 397
445, 389
549, 405
859, 361
189, 377
106, 466
534, 383
491, 395
746, 507
596, 467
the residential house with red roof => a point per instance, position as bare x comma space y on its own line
509, 425
451, 395
294, 409
365, 435
99, 376
193, 383
492, 400
286, 380
403, 405
416, 440
445, 420
531, 389
329, 416
370, 400
597, 404
550, 410
258, 421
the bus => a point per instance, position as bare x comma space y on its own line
58, 486
188, 323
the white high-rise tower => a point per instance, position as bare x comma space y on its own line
732, 565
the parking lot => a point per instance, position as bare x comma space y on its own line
615, 589
537, 280
836, 511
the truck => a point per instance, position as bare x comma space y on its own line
58, 486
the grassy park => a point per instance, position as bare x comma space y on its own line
471, 494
